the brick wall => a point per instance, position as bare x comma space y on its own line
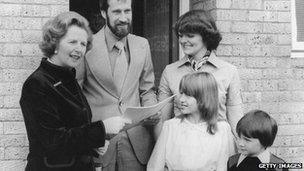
20, 32
257, 39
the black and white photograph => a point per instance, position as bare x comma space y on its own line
151, 85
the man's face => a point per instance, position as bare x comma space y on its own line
119, 17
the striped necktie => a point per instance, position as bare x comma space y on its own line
121, 67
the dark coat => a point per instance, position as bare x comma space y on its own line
233, 160
58, 121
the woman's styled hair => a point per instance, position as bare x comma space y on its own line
258, 124
199, 22
203, 87
56, 28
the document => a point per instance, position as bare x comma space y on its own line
137, 114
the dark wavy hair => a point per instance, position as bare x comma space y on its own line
104, 4
203, 87
258, 124
56, 28
199, 22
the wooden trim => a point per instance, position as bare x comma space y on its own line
173, 41
297, 53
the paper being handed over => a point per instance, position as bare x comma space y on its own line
137, 114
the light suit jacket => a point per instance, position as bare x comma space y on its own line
95, 76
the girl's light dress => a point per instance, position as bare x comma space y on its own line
185, 146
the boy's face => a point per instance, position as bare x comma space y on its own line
250, 146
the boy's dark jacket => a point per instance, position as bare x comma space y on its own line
233, 160
58, 121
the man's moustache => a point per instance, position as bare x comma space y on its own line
122, 24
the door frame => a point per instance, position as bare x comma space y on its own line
184, 6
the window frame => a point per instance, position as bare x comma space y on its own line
297, 49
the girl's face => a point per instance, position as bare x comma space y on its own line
71, 47
250, 146
192, 44
188, 104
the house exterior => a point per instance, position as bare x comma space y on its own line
256, 38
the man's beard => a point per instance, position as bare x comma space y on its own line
120, 33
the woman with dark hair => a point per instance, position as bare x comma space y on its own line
194, 140
56, 113
199, 38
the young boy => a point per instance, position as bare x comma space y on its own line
256, 131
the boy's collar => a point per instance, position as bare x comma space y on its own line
264, 157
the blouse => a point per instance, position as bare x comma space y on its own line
183, 145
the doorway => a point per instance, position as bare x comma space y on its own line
152, 19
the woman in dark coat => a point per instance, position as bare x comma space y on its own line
56, 113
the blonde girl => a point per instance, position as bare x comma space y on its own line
195, 140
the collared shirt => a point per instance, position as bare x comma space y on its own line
230, 102
113, 51
264, 157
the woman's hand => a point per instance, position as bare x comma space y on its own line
102, 150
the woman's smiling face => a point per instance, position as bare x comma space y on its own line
192, 44
71, 48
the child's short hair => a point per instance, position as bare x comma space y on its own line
258, 124
203, 87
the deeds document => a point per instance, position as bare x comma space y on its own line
137, 114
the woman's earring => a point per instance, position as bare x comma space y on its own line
55, 52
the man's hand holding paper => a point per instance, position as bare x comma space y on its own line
152, 120
114, 124
146, 115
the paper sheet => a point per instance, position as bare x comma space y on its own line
137, 114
